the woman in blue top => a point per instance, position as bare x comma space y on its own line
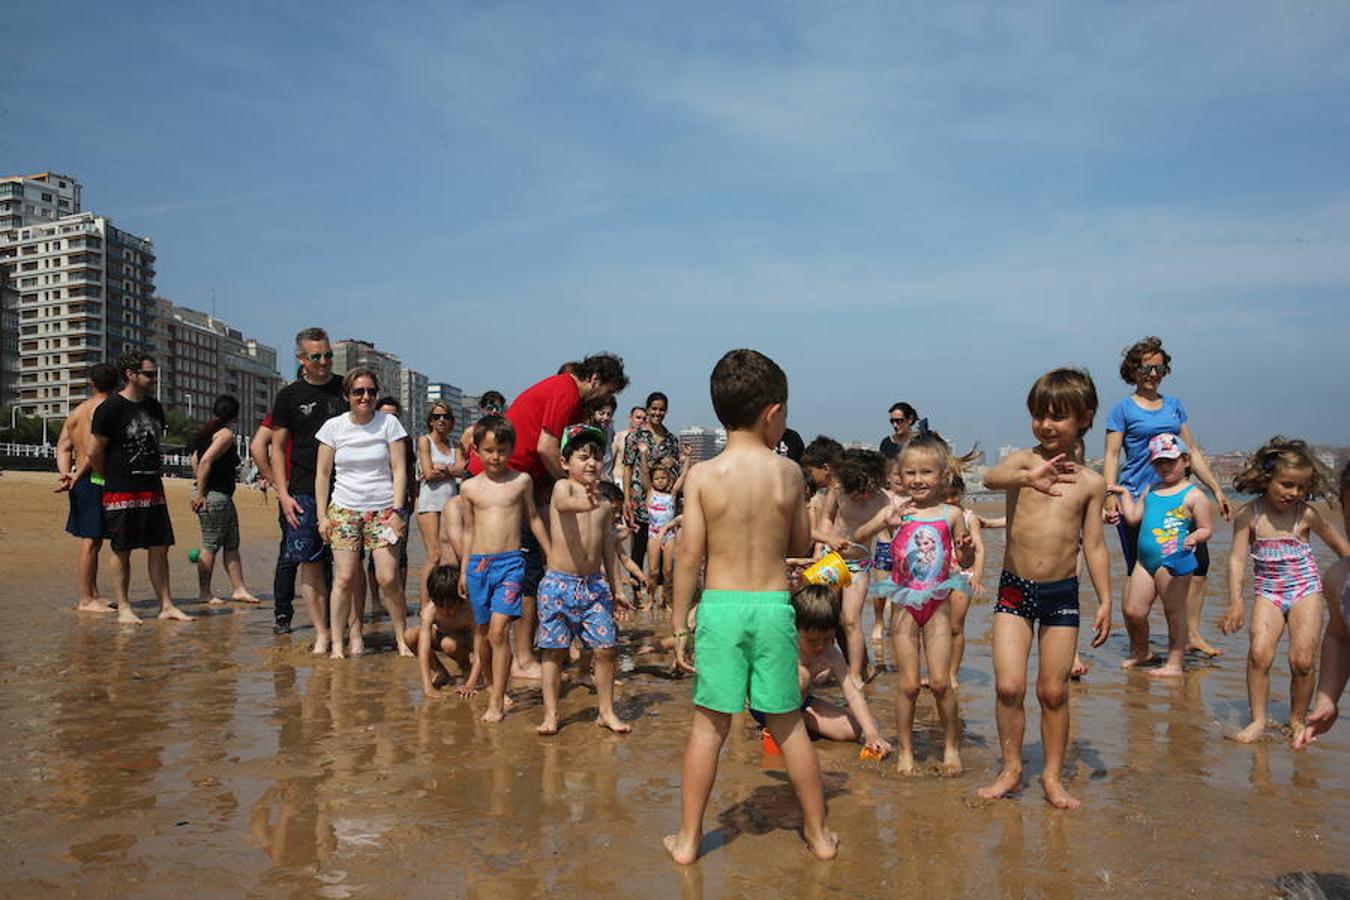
1129, 426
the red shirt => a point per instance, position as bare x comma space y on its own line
267, 423
551, 405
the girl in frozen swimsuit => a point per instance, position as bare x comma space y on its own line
1274, 528
928, 534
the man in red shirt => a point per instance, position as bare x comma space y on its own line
539, 416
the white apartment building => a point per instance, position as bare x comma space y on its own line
30, 199
85, 291
705, 442
350, 353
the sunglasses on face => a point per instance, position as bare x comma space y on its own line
326, 355
363, 392
1153, 370
436, 416
899, 421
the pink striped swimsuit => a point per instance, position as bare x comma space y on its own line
1283, 568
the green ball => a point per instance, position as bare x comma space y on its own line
194, 554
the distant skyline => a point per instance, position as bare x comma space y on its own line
895, 201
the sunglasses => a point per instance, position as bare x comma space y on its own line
326, 355
1153, 370
435, 416
363, 392
899, 421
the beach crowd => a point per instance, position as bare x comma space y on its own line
544, 527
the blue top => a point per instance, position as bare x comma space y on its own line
1138, 425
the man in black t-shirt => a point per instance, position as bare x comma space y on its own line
124, 450
300, 409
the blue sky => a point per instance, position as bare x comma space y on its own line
928, 202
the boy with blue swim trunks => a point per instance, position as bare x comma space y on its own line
496, 504
576, 594
744, 513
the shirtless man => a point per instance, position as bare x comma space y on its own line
85, 520
1053, 503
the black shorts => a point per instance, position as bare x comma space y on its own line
86, 510
1129, 544
534, 563
1052, 603
136, 520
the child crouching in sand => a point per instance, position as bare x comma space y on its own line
745, 511
576, 602
445, 626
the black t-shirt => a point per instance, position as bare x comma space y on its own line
301, 408
132, 462
224, 468
791, 445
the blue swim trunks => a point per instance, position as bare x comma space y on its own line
575, 607
494, 580
303, 543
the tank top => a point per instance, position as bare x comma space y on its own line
432, 495
220, 478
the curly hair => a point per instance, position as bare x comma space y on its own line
860, 471
1284, 453
1132, 357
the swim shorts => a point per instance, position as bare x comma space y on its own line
758, 715
86, 509
747, 648
534, 563
494, 583
302, 543
1052, 603
136, 520
220, 522
575, 607
362, 529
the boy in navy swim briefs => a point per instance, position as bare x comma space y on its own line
496, 504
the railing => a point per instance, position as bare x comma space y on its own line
12, 450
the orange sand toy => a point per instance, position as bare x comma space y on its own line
869, 755
770, 745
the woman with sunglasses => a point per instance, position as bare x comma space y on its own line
441, 465
1129, 426
362, 457
903, 419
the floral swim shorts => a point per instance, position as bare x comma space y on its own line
575, 607
355, 529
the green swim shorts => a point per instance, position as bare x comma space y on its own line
746, 645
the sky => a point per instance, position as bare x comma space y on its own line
896, 201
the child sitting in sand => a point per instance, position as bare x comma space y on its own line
576, 595
1054, 504
446, 626
817, 614
745, 512
1171, 516
1274, 529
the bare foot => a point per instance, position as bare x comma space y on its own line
321, 644
1252, 733
93, 605
356, 644
127, 616
243, 596
681, 849
532, 672
1056, 796
548, 726
951, 762
1134, 662
507, 702
904, 762
824, 845
1007, 782
613, 723
211, 601
405, 650
493, 715
1079, 669
1166, 672
173, 612
337, 652
1203, 647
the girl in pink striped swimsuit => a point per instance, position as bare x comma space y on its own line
1274, 529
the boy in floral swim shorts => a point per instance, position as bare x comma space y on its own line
576, 594
745, 513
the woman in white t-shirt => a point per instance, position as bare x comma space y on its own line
361, 457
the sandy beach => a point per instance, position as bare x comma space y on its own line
213, 758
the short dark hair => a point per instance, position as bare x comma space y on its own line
499, 427
909, 411
1132, 357
309, 334
443, 586
128, 361
822, 451
743, 383
607, 366
860, 471
585, 437
816, 607
389, 400
491, 398
654, 396
1064, 391
637, 409
611, 492
103, 377
607, 402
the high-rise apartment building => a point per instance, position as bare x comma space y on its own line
85, 289
705, 442
9, 341
412, 396
350, 353
30, 199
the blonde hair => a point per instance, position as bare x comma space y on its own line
932, 443
1284, 453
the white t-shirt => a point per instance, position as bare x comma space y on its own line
363, 477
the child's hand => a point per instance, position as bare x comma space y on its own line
1320, 718
467, 690
682, 663
877, 744
1056, 470
965, 542
1111, 508
198, 503
431, 692
901, 506
1232, 620
1190, 542
463, 585
977, 585
1101, 624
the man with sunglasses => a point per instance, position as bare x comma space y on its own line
300, 409
124, 451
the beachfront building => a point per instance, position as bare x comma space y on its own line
351, 353
9, 340
85, 289
704, 442
33, 199
412, 396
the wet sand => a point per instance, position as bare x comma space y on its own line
217, 759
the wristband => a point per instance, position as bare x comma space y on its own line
680, 634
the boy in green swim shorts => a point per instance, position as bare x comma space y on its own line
744, 513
